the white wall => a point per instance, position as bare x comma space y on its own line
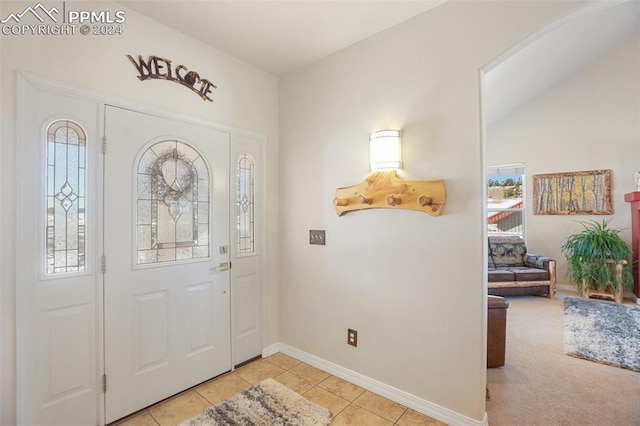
246, 98
589, 121
411, 284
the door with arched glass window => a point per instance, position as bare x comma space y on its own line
167, 294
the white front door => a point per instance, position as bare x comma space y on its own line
165, 312
166, 245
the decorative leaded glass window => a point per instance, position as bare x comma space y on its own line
172, 204
245, 204
66, 192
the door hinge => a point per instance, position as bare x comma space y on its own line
104, 383
104, 144
104, 264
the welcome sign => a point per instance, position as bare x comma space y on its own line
159, 68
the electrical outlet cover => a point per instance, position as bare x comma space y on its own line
352, 337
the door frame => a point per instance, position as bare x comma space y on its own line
25, 288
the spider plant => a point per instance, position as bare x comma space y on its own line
592, 255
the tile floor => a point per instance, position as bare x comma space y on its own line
350, 404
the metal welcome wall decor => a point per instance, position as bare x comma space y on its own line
162, 69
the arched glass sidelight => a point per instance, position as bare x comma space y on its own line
66, 197
172, 217
245, 204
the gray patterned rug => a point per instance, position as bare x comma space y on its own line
267, 404
601, 331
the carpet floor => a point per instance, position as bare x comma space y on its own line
541, 385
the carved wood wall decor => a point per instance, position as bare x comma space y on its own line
159, 68
386, 190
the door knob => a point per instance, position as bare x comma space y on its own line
223, 266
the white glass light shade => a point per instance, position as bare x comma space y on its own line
385, 150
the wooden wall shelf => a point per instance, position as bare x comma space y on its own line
386, 190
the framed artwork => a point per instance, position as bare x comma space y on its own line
587, 192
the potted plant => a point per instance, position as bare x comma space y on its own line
597, 260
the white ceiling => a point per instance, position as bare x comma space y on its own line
280, 36
555, 55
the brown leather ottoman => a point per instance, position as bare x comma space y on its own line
496, 330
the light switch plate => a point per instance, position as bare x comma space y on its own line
317, 237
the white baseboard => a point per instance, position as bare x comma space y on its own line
566, 288
271, 350
401, 397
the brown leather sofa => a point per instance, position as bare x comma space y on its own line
496, 330
514, 271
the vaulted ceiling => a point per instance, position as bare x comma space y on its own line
561, 51
282, 36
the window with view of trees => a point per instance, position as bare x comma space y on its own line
505, 199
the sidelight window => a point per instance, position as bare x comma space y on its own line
245, 205
66, 197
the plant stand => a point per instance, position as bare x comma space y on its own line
617, 296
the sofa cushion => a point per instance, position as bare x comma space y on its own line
500, 275
507, 250
536, 261
530, 274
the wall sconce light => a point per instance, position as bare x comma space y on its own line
384, 189
385, 150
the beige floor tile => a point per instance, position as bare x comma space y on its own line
332, 402
142, 419
357, 416
413, 418
294, 382
381, 406
221, 388
175, 410
258, 371
342, 388
310, 373
283, 361
331, 392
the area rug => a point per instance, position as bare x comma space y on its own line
267, 404
604, 332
